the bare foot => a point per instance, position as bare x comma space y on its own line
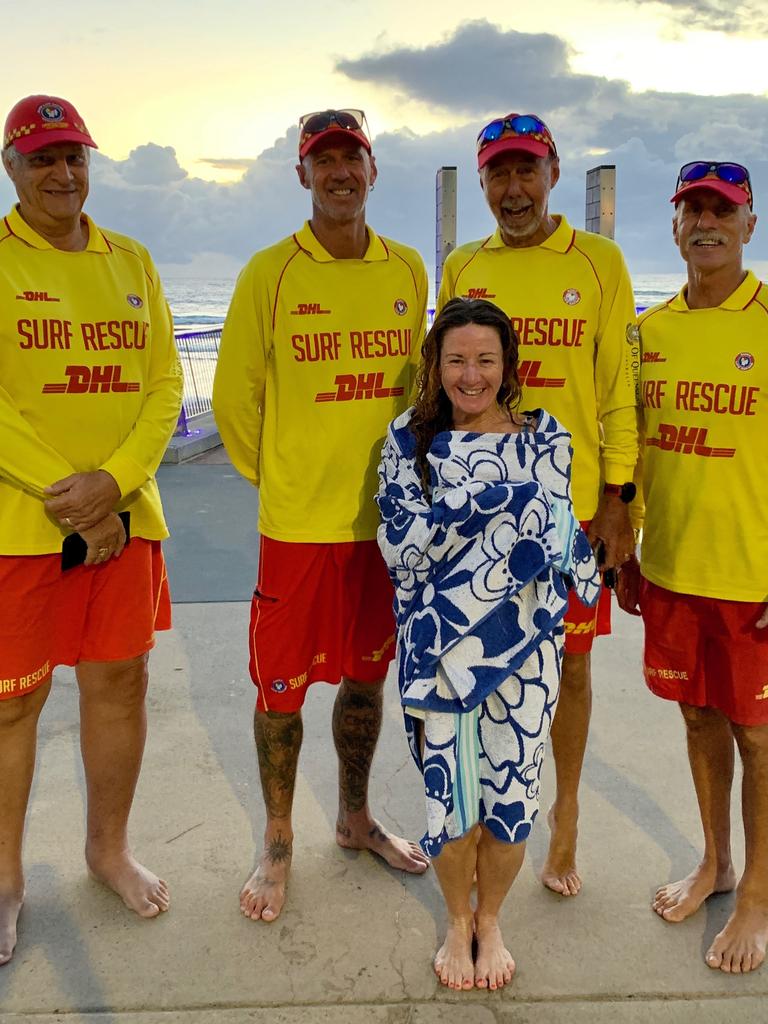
559, 872
740, 946
453, 961
140, 889
399, 853
494, 965
263, 895
678, 900
10, 907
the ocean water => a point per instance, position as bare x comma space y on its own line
197, 304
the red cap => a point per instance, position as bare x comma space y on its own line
326, 124
38, 121
538, 143
738, 194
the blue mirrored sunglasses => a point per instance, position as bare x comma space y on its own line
734, 174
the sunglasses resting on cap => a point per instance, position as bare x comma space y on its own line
522, 132
322, 123
728, 179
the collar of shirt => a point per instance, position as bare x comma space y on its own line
736, 301
19, 227
375, 252
560, 240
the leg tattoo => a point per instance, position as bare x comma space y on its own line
278, 742
356, 726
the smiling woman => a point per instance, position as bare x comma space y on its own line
479, 536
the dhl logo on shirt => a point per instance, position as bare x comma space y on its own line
653, 357
352, 387
528, 372
92, 380
687, 441
31, 296
478, 293
309, 309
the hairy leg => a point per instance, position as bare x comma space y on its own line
18, 743
356, 725
569, 741
711, 755
740, 946
278, 743
498, 864
113, 729
455, 869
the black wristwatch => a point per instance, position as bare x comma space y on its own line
624, 492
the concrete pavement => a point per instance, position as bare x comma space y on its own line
356, 939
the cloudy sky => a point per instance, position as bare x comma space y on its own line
194, 105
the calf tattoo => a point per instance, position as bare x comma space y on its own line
278, 742
356, 727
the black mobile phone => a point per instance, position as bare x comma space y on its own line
609, 575
74, 549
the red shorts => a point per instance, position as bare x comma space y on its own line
105, 612
706, 652
583, 624
319, 612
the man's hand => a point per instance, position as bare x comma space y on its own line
762, 622
82, 500
611, 525
105, 540
628, 587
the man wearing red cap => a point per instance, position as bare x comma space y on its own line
569, 298
318, 354
90, 393
704, 558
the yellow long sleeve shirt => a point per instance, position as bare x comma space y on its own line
570, 300
704, 389
316, 358
89, 378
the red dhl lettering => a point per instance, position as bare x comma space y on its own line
314, 348
722, 399
554, 331
102, 335
373, 344
653, 357
92, 380
687, 441
42, 334
479, 293
30, 296
309, 309
528, 372
352, 387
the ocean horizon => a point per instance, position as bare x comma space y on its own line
199, 303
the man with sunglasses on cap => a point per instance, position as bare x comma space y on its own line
569, 298
318, 354
704, 556
90, 389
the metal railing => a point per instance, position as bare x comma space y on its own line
198, 351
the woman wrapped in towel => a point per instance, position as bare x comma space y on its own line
482, 545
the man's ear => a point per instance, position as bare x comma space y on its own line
302, 173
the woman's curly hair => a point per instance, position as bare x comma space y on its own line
432, 411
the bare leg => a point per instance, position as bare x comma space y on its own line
356, 727
113, 728
710, 753
497, 866
569, 741
455, 868
740, 946
18, 742
278, 742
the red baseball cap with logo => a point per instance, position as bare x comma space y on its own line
338, 124
38, 121
524, 133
